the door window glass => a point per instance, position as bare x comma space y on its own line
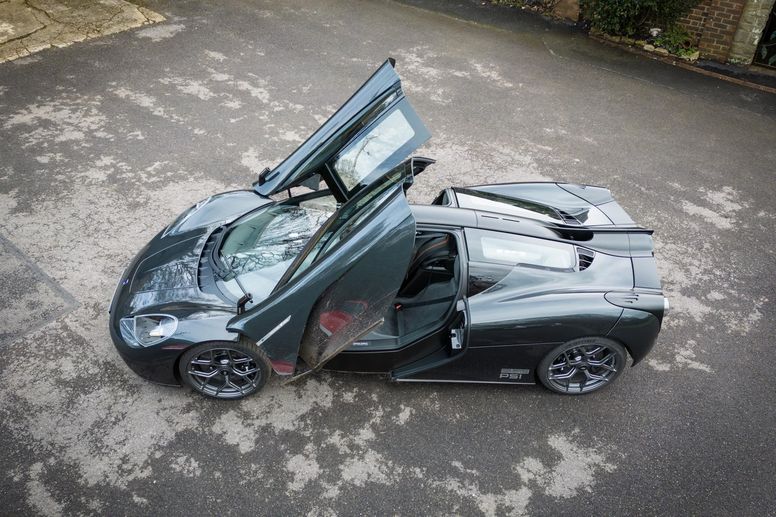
368, 152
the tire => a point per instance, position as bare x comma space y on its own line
225, 370
582, 365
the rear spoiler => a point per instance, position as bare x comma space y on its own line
639, 239
586, 232
575, 205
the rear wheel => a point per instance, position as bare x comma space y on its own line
582, 365
225, 370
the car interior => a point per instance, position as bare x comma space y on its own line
425, 297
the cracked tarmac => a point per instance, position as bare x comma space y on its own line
105, 142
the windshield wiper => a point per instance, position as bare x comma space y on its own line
225, 271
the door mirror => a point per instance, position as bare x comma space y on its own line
419, 164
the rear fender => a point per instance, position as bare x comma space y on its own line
638, 330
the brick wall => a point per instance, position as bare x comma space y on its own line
713, 24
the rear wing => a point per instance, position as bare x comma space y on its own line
562, 203
633, 241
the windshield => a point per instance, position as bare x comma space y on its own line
350, 216
259, 248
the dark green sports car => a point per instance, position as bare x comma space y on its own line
511, 283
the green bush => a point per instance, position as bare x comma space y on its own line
616, 17
629, 17
675, 40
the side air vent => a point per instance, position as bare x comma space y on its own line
205, 278
584, 258
568, 218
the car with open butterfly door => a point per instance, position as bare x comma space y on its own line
512, 283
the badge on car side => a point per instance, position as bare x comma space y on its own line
513, 374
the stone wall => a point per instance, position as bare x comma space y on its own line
750, 29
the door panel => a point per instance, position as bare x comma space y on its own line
371, 133
341, 285
454, 340
369, 100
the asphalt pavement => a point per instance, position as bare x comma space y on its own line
104, 142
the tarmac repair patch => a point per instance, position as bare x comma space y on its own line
31, 299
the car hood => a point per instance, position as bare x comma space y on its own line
164, 274
172, 267
163, 277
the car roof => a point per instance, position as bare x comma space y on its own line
630, 241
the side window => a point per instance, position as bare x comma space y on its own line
512, 250
442, 199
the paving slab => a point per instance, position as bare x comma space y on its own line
29, 26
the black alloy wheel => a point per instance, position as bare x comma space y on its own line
225, 370
582, 366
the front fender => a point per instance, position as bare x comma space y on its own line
215, 210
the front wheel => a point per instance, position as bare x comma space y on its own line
225, 370
582, 365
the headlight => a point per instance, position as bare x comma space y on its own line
148, 329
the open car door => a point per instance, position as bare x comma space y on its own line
342, 283
373, 132
348, 274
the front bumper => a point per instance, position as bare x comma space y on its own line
157, 364
172, 293
148, 363
154, 363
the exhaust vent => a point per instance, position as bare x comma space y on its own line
584, 258
568, 218
205, 278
